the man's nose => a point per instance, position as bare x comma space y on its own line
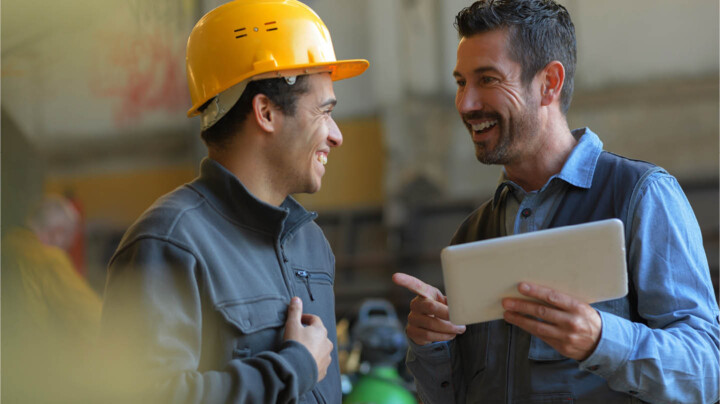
334, 135
467, 100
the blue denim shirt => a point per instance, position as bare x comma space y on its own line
674, 356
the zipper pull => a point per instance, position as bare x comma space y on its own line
305, 276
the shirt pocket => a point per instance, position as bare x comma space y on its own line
255, 314
619, 307
540, 351
256, 323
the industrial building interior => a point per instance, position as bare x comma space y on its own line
94, 96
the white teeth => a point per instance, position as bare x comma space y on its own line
322, 159
482, 126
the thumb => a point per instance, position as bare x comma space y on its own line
295, 311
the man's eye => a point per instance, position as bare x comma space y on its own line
460, 83
488, 80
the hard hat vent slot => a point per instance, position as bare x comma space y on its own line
271, 28
237, 31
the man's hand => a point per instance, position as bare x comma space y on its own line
570, 326
308, 329
428, 320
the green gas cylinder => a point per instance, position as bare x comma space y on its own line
382, 385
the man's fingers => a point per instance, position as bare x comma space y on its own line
311, 319
422, 336
550, 296
429, 307
434, 324
417, 286
295, 310
534, 309
533, 326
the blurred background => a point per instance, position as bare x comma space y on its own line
94, 99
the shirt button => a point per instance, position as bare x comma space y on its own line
594, 367
444, 384
526, 212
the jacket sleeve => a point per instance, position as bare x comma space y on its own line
672, 354
152, 330
431, 366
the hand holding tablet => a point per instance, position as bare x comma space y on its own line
585, 261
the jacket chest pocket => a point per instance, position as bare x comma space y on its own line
540, 351
257, 323
317, 284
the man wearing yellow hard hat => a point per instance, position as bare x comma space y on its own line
223, 290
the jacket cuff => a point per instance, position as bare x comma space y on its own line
434, 352
303, 362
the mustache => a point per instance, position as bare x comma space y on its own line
474, 115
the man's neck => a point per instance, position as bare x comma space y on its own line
547, 158
250, 170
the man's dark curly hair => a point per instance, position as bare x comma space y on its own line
282, 94
540, 31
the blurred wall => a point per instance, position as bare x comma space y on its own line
646, 82
95, 90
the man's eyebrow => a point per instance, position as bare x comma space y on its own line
329, 101
479, 70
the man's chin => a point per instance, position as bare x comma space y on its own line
490, 158
312, 188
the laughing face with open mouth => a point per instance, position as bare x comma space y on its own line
499, 111
306, 138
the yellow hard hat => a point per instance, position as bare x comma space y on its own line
255, 39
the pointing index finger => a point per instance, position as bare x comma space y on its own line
417, 286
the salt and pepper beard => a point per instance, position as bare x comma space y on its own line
513, 130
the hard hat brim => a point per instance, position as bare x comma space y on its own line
339, 70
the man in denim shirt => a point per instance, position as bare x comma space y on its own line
514, 73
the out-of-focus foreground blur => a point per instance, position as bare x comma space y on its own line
94, 97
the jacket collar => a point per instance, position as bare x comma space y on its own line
224, 191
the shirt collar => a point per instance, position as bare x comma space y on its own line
579, 168
231, 198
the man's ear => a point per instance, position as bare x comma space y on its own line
265, 113
552, 76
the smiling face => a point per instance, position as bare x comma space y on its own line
306, 138
500, 112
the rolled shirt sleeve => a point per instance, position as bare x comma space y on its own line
673, 354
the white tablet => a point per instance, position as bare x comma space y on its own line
586, 261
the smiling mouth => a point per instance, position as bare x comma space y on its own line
322, 158
483, 126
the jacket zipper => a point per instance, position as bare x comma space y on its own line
318, 396
305, 276
307, 218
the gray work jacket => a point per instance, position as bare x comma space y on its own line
197, 297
